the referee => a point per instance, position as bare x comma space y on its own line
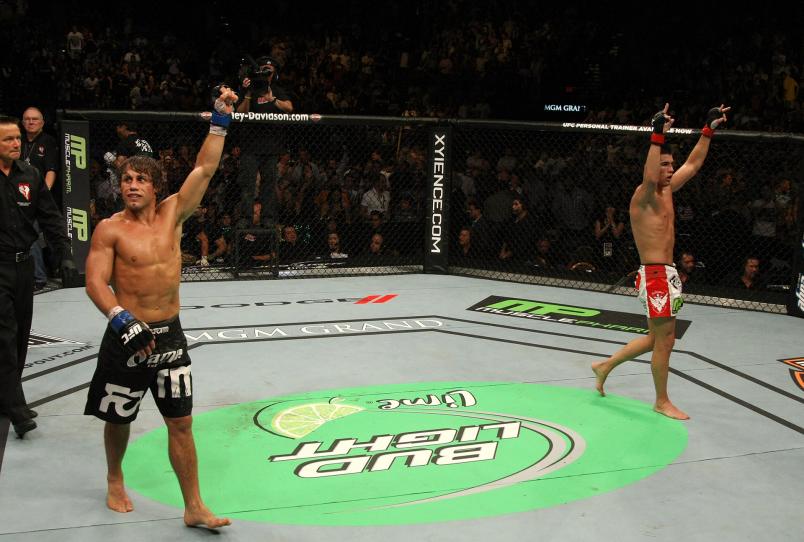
24, 197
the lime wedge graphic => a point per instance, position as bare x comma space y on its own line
298, 421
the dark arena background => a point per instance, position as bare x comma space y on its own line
451, 192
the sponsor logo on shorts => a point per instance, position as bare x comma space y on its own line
658, 301
161, 358
567, 314
176, 382
797, 371
124, 400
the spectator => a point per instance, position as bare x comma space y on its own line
131, 143
466, 250
334, 246
609, 229
378, 198
333, 202
749, 278
255, 246
544, 254
291, 250
786, 199
766, 220
305, 168
41, 151
519, 233
194, 240
284, 165
75, 43
688, 269
222, 237
688, 226
465, 183
376, 247
479, 227
572, 207
39, 148
497, 208
406, 211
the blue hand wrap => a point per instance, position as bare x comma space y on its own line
120, 320
219, 119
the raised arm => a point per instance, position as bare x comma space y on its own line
209, 157
245, 105
714, 118
651, 174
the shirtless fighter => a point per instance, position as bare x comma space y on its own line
132, 275
652, 222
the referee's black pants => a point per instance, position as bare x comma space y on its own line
16, 312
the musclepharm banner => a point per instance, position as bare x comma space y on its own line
75, 180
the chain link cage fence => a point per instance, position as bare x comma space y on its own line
530, 202
290, 199
549, 204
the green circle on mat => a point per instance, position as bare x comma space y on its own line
412, 453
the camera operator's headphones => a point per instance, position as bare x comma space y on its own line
266, 64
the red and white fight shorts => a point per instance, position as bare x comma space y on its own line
659, 290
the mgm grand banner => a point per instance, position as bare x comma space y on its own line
75, 180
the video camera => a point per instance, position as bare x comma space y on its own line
263, 71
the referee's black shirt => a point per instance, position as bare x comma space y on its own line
42, 153
24, 197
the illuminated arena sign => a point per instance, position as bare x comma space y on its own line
412, 453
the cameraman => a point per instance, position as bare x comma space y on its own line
261, 94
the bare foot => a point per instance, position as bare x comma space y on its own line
117, 499
601, 375
203, 517
669, 409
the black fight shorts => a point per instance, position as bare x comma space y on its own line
121, 378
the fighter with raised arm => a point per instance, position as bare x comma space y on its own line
658, 284
132, 275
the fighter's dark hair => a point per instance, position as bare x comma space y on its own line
145, 164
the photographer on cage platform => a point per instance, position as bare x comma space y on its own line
260, 94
